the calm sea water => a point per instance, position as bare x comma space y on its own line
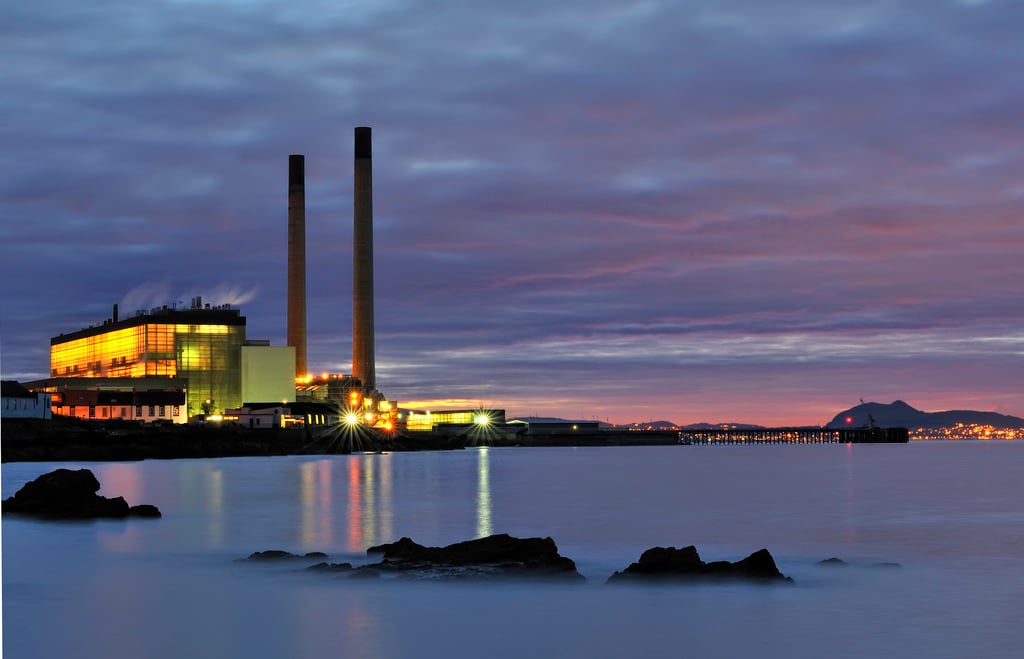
951, 514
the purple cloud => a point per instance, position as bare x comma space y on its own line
694, 211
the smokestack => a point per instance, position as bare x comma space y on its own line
297, 260
362, 253
114, 318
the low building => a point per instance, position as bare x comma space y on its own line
137, 406
20, 403
280, 415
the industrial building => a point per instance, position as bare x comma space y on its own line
200, 351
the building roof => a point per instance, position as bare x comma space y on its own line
140, 398
12, 389
220, 315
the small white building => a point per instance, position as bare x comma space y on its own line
19, 402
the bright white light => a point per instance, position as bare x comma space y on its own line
482, 420
351, 419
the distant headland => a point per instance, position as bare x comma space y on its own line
950, 424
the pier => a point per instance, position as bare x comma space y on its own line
795, 436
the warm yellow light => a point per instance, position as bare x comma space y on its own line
368, 416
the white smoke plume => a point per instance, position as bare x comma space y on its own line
152, 294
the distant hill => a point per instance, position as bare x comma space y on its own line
712, 426
652, 425
897, 414
900, 415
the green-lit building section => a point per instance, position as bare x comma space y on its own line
202, 347
421, 420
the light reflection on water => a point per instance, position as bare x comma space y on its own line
950, 514
483, 493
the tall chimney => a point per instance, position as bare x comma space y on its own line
362, 253
297, 260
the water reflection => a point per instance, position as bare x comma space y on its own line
119, 479
368, 508
316, 528
850, 536
483, 493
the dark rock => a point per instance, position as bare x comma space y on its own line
492, 557
280, 554
144, 510
759, 566
838, 562
402, 549
331, 567
671, 564
667, 560
68, 494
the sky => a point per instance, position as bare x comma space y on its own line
689, 210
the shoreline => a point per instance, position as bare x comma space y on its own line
62, 440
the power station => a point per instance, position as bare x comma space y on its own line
202, 351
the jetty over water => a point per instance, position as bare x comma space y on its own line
795, 436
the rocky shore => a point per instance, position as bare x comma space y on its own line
64, 439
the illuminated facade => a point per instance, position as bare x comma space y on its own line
356, 403
418, 420
202, 346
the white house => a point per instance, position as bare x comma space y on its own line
19, 402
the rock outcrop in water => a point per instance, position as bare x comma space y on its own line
71, 494
673, 565
281, 555
496, 556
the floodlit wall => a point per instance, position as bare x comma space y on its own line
268, 374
